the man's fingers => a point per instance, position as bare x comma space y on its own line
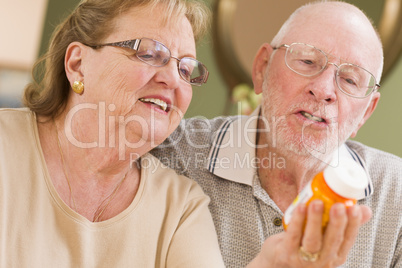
357, 216
312, 234
335, 232
366, 214
295, 228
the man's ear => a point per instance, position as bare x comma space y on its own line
260, 65
73, 62
369, 111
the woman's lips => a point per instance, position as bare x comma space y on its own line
161, 104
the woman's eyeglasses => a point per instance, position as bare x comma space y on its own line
157, 54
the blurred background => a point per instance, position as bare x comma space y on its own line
239, 28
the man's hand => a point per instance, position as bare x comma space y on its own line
332, 246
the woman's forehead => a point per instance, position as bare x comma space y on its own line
140, 22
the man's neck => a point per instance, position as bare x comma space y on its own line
284, 181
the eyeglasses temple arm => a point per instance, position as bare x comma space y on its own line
133, 44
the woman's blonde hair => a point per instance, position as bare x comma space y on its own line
90, 23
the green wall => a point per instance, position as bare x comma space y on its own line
57, 10
383, 130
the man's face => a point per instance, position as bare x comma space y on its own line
310, 115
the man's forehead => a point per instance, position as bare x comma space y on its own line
358, 46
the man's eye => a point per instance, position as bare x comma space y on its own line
308, 62
350, 81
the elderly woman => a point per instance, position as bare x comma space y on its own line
77, 185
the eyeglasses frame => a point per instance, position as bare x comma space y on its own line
374, 89
134, 45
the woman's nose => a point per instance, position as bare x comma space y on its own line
169, 74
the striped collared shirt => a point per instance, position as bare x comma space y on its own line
245, 215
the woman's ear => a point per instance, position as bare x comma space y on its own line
259, 66
73, 62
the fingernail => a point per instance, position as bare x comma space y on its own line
354, 212
302, 208
339, 209
318, 206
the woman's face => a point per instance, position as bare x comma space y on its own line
132, 95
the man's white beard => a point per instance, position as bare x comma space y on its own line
306, 142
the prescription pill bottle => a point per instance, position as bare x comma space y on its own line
344, 183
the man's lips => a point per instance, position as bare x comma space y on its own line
313, 117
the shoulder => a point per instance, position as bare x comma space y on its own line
190, 142
12, 114
376, 160
385, 170
197, 130
383, 231
165, 180
15, 122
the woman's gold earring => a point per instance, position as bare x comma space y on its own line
78, 87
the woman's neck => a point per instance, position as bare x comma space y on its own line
84, 177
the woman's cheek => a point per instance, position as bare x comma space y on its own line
185, 99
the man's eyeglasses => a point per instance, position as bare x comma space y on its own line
307, 60
157, 54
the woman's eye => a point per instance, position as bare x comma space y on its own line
185, 73
146, 55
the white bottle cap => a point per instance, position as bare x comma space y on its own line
348, 179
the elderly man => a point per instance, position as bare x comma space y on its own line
319, 81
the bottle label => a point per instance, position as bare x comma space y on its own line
303, 197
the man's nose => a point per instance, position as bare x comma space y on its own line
323, 86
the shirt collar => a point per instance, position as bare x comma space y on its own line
233, 151
233, 155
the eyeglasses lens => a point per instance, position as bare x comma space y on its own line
153, 53
156, 54
305, 60
354, 80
